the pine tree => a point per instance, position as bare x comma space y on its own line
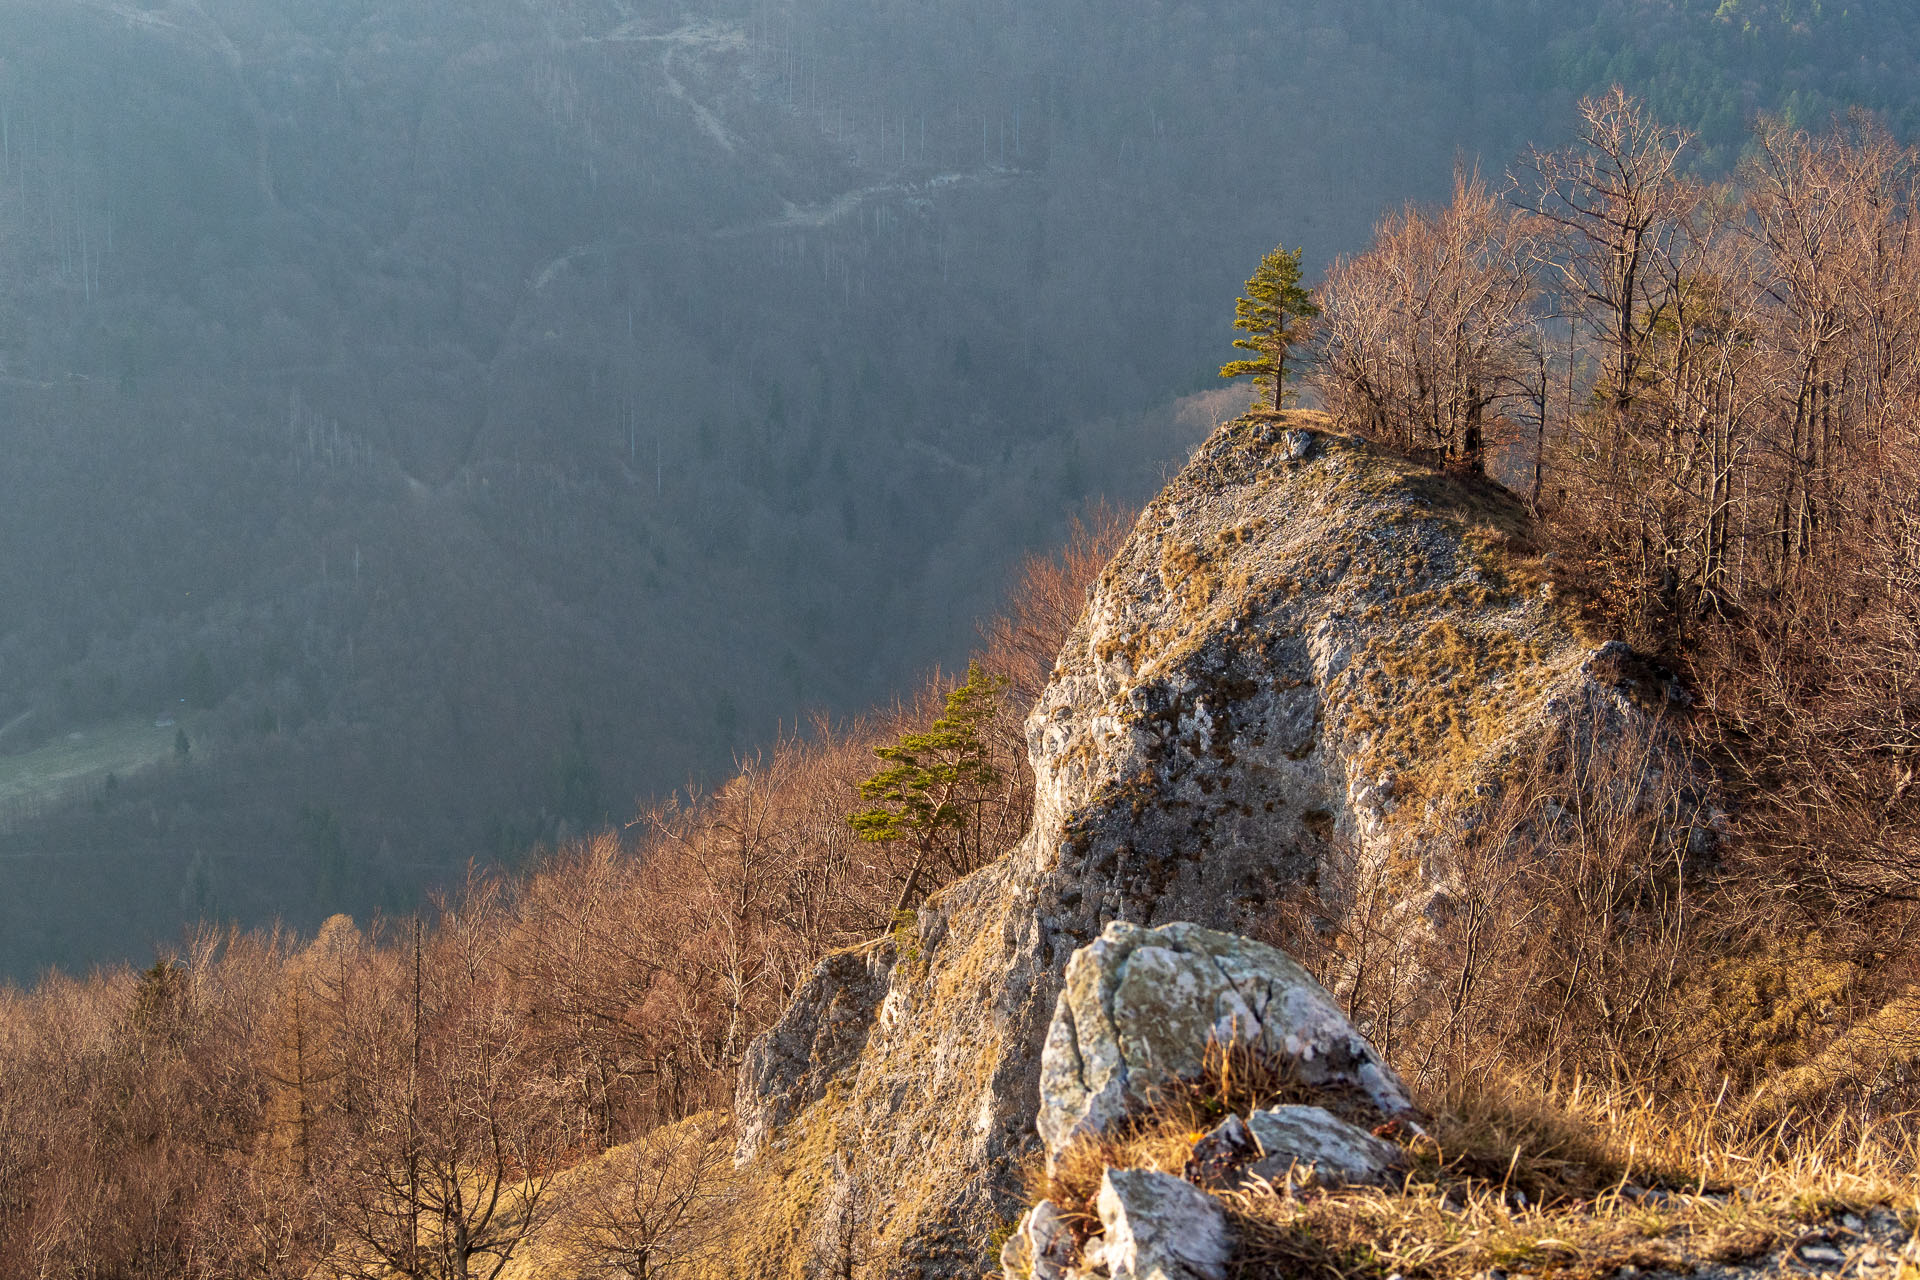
1277, 314
933, 783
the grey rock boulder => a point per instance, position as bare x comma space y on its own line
1296, 444
1040, 1247
819, 1036
1158, 1227
1310, 1143
1139, 1007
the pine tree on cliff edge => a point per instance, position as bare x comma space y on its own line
935, 783
1277, 315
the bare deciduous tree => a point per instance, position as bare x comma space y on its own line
446, 1148
1424, 331
1608, 207
649, 1210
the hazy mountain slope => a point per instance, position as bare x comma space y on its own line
491, 412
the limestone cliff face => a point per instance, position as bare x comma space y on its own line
1306, 654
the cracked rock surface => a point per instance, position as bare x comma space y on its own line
1139, 1007
1313, 1144
1303, 654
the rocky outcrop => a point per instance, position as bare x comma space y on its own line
1140, 1006
819, 1037
1307, 655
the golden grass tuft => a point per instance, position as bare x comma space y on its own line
1496, 1133
1577, 1184
1448, 1230
1234, 1079
1442, 700
1188, 575
1150, 1142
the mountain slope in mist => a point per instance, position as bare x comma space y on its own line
465, 418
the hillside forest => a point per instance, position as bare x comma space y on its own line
1704, 389
434, 433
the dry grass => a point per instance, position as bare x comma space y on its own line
1571, 1183
1151, 1142
1234, 1079
1551, 1150
1737, 1200
1433, 705
1187, 575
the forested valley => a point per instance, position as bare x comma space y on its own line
434, 434
1718, 454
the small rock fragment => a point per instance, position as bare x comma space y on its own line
1039, 1248
1219, 1156
1338, 1153
1821, 1255
1159, 1227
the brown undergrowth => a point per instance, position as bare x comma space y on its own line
1505, 1176
1616, 1183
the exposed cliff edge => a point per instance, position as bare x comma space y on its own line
1308, 654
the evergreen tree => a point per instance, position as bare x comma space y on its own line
934, 783
1277, 315
160, 1000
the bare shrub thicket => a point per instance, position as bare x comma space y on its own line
1711, 402
403, 1098
445, 1141
1422, 333
1556, 930
648, 1210
128, 1098
1571, 911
